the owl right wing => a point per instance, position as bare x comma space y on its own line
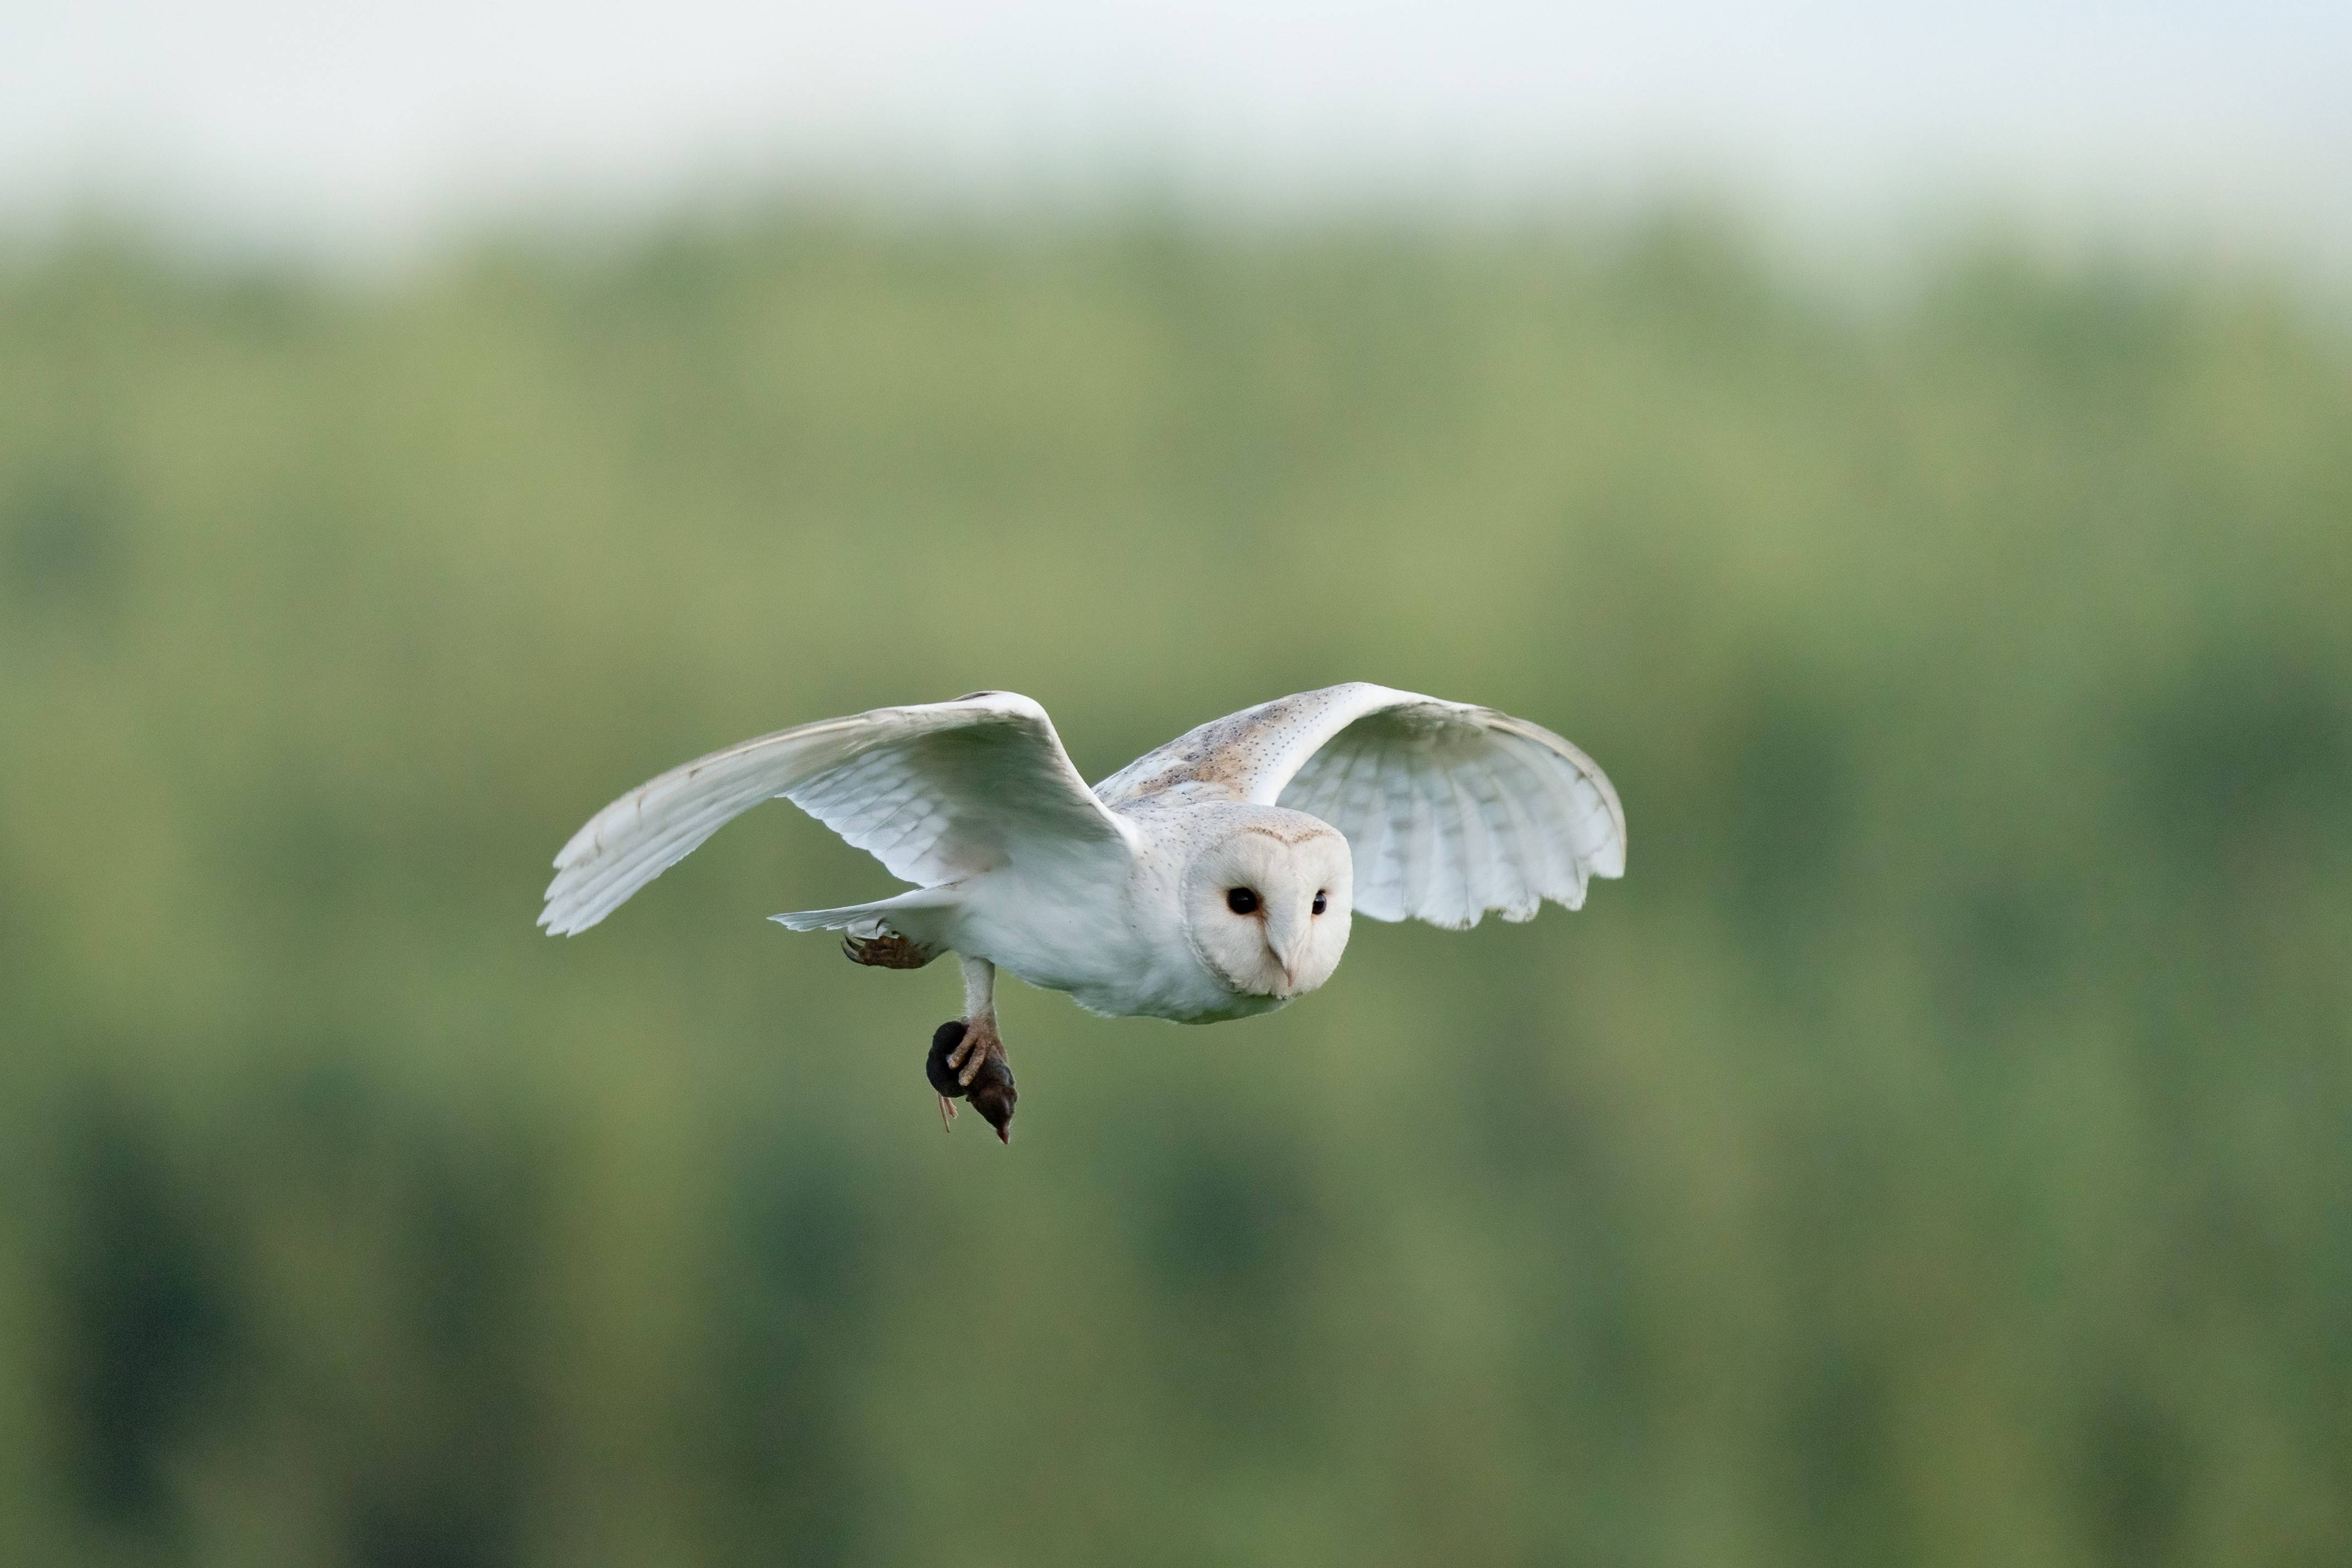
1449, 809
937, 792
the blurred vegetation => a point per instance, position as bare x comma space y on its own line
1936, 1152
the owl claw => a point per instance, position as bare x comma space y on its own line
967, 1061
979, 1043
885, 950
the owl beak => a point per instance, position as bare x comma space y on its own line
1286, 941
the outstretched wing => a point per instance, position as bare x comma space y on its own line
935, 793
1449, 809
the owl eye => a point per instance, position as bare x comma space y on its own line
1241, 900
1319, 902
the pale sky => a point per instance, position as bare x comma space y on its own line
380, 127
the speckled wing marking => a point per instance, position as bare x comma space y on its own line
1228, 754
935, 793
1449, 809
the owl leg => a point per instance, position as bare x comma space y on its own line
967, 1058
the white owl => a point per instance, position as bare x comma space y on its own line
1210, 879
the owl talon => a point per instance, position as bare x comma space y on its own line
979, 1043
985, 1078
884, 948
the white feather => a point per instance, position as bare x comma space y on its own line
1469, 809
935, 793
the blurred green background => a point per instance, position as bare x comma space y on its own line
1935, 1151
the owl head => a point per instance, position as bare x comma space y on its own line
1266, 903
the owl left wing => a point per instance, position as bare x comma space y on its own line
1449, 809
936, 792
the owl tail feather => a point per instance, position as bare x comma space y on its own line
905, 914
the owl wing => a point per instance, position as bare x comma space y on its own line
935, 793
1449, 809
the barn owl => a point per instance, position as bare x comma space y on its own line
1211, 879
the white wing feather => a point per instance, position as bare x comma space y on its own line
1449, 809
935, 793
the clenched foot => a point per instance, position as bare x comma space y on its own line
967, 1061
885, 950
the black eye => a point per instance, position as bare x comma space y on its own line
1241, 900
1318, 904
